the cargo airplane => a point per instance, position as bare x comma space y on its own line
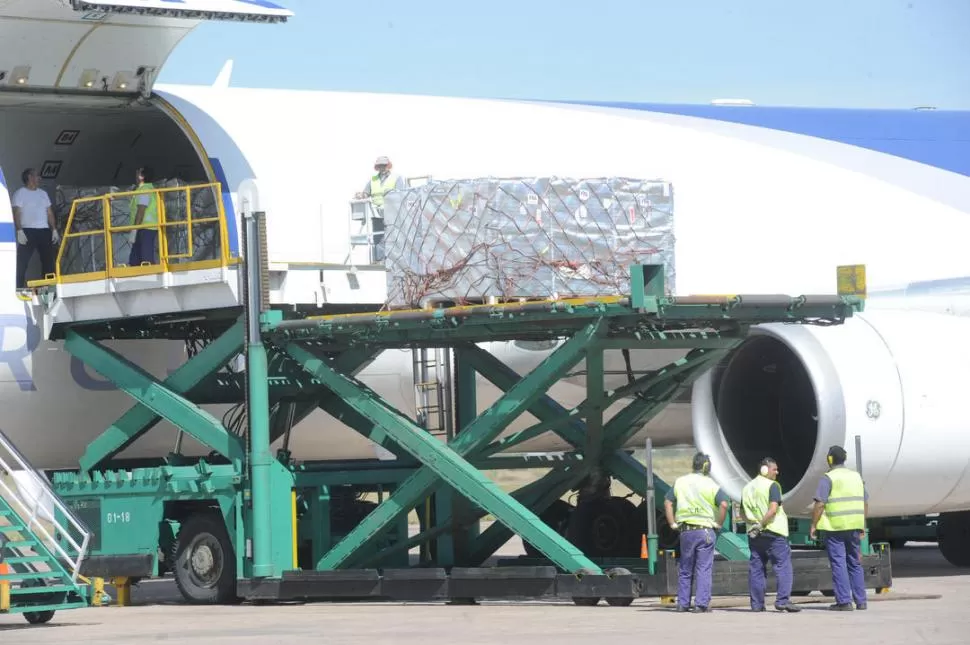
766, 199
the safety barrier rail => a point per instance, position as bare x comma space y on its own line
31, 509
91, 244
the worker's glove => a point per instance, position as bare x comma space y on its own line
21, 237
675, 526
755, 531
55, 236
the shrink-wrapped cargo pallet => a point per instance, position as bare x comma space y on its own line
536, 237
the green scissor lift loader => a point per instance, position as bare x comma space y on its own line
246, 523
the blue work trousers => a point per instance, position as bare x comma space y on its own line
776, 549
845, 558
697, 565
144, 248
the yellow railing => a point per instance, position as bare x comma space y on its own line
168, 259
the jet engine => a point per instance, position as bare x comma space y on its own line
896, 379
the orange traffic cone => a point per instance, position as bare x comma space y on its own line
643, 547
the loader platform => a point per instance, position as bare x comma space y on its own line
272, 526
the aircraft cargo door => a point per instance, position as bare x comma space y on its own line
105, 46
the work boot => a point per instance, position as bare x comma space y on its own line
703, 610
845, 606
861, 607
789, 607
681, 609
757, 609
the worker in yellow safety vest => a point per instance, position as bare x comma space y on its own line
841, 506
143, 210
383, 181
767, 537
697, 498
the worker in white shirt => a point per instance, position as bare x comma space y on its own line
33, 218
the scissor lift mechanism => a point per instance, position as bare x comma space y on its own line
270, 516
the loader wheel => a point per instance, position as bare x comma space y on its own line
204, 562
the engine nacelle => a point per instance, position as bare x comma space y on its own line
897, 379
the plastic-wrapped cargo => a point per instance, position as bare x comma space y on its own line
538, 237
86, 254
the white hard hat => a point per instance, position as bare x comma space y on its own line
382, 161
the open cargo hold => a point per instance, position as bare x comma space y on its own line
536, 237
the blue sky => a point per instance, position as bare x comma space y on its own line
847, 53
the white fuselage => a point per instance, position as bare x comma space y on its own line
756, 210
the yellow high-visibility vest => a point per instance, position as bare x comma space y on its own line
378, 188
696, 496
845, 508
755, 500
151, 211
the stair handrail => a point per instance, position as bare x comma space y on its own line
74, 521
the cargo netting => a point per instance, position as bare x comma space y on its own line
87, 254
476, 240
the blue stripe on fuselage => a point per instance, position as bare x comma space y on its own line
939, 138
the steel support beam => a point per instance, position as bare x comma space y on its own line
541, 495
138, 420
152, 394
447, 462
666, 383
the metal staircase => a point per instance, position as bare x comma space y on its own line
42, 543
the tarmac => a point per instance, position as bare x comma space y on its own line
927, 604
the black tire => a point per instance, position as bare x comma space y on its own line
39, 617
605, 527
586, 602
953, 536
619, 602
556, 516
204, 562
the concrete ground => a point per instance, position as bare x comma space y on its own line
927, 604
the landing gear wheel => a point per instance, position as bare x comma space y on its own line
667, 538
953, 536
605, 527
203, 560
557, 517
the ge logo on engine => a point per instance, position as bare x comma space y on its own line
873, 409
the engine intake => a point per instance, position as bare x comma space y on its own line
891, 377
